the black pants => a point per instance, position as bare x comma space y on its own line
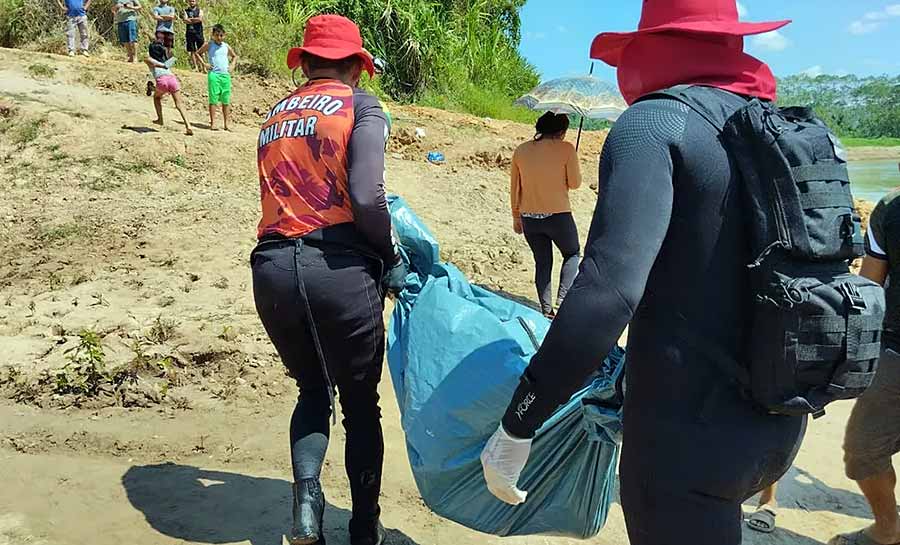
343, 297
542, 234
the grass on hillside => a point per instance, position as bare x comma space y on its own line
883, 142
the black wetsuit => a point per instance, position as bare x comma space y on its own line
667, 244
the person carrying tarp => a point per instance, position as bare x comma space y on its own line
681, 215
325, 259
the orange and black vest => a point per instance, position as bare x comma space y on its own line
302, 159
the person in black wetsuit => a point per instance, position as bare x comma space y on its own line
667, 245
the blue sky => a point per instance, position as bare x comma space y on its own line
861, 37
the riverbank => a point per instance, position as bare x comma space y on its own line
874, 153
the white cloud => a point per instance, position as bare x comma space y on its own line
876, 16
742, 10
813, 71
873, 20
771, 41
862, 27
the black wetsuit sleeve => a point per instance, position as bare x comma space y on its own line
629, 224
365, 171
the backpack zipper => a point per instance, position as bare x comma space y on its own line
780, 219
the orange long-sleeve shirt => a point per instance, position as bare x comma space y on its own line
543, 172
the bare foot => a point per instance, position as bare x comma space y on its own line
189, 132
870, 534
158, 122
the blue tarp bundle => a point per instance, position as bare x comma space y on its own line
456, 352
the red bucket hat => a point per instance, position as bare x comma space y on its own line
718, 17
331, 37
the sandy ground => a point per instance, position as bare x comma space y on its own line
141, 235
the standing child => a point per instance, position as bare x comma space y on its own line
219, 54
193, 20
76, 18
165, 25
126, 12
166, 83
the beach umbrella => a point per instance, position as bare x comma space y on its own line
585, 96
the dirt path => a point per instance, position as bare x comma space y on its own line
141, 235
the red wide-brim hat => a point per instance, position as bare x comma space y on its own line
331, 37
712, 17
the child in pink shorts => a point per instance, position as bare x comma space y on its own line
166, 84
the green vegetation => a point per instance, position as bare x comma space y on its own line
86, 373
871, 142
41, 70
61, 232
22, 131
855, 108
177, 160
480, 103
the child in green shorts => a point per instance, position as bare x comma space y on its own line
219, 55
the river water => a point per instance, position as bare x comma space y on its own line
871, 180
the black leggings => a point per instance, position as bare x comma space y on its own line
346, 304
541, 234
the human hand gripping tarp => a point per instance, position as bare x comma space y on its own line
456, 352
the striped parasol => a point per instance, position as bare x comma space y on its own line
585, 96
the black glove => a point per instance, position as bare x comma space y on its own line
395, 279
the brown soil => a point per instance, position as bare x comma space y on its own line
141, 235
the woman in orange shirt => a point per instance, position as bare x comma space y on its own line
544, 170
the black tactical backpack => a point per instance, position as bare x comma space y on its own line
815, 329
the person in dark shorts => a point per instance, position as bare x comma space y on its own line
193, 21
323, 265
543, 172
873, 430
164, 14
667, 250
126, 17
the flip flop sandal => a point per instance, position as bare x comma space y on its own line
856, 538
763, 520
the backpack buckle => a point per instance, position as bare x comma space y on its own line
853, 297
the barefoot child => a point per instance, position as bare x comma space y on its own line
166, 83
219, 78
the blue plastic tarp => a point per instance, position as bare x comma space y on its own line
456, 352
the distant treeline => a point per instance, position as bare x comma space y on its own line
850, 105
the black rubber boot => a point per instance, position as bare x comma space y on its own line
368, 534
309, 510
